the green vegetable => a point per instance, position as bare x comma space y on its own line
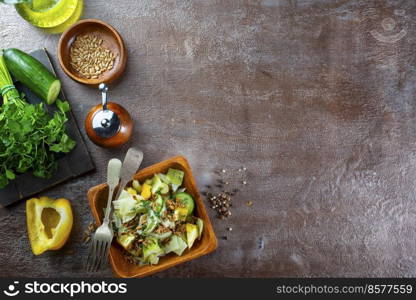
191, 234
159, 186
172, 245
164, 189
153, 259
29, 136
200, 225
187, 201
152, 222
32, 74
158, 203
163, 224
161, 236
164, 178
176, 245
126, 207
167, 223
175, 176
181, 246
125, 240
136, 185
180, 214
151, 248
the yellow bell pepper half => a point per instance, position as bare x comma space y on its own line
49, 223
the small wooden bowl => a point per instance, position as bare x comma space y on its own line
97, 197
111, 40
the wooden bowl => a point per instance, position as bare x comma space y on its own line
124, 132
97, 197
111, 40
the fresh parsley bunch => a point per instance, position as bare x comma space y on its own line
29, 136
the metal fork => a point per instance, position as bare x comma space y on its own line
101, 241
103, 237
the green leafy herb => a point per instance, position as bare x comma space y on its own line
29, 136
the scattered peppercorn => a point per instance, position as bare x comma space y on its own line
221, 203
219, 194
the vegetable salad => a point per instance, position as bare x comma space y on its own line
156, 218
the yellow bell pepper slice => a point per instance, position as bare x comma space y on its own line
180, 214
49, 223
131, 191
146, 191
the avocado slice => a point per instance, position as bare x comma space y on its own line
191, 234
200, 225
125, 240
175, 176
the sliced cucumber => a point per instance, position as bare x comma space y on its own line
187, 201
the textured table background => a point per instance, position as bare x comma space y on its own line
315, 98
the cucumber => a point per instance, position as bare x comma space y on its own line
32, 74
187, 201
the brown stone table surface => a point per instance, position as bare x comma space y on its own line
316, 98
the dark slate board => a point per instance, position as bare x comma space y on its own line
71, 165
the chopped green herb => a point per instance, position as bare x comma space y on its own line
29, 135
